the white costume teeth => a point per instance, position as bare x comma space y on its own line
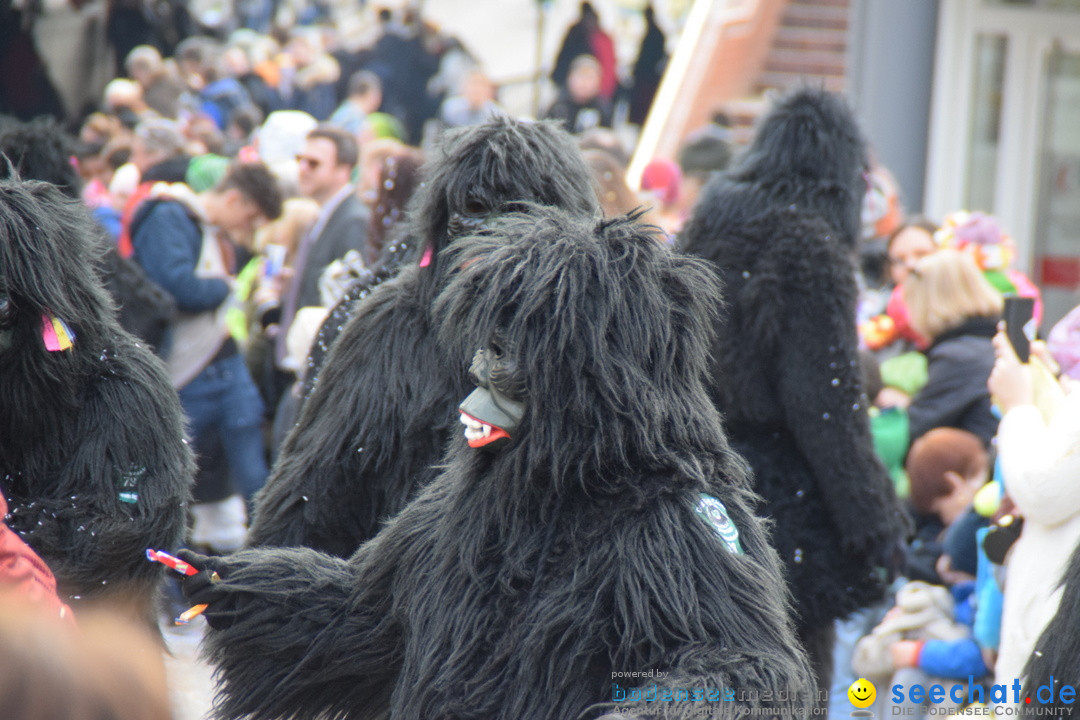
474, 430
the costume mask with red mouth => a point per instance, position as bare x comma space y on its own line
492, 412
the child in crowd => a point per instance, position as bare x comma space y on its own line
926, 637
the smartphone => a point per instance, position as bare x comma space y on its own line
1020, 324
275, 260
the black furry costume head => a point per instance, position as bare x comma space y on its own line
808, 151
93, 459
45, 258
482, 168
40, 150
531, 299
481, 171
532, 580
781, 228
380, 414
477, 173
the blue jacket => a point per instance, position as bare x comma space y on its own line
956, 659
952, 659
220, 98
167, 243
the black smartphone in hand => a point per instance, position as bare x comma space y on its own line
1020, 325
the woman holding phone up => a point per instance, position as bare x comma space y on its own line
1039, 466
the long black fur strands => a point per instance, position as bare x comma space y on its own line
40, 150
544, 289
93, 461
808, 151
535, 580
777, 226
488, 166
1055, 661
383, 407
477, 171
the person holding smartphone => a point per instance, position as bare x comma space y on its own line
1039, 465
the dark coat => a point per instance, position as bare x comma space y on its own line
955, 395
168, 241
648, 70
575, 43
402, 252
580, 117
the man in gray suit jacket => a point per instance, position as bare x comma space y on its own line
326, 166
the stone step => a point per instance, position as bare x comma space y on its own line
806, 15
800, 38
831, 3
806, 61
785, 80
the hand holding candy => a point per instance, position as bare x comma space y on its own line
189, 570
205, 588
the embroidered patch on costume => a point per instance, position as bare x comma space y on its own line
713, 512
127, 485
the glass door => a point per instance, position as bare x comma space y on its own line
984, 136
1057, 228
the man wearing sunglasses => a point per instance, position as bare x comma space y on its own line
325, 170
324, 174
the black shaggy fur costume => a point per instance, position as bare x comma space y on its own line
41, 150
525, 580
383, 408
476, 173
93, 459
781, 227
1056, 660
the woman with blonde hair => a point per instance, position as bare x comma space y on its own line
953, 305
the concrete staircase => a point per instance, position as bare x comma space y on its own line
740, 51
810, 45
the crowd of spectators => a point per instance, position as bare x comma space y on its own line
253, 169
256, 176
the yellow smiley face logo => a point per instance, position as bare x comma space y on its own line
862, 693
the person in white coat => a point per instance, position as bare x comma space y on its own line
1040, 465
